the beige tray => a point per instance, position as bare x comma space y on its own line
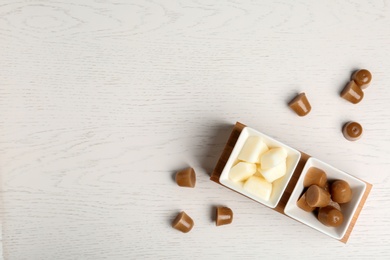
290, 187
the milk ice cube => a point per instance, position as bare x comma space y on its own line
253, 148
259, 187
242, 171
273, 157
274, 173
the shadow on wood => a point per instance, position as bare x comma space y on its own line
215, 146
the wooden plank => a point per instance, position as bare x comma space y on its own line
227, 151
357, 213
290, 187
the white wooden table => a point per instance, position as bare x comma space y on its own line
102, 101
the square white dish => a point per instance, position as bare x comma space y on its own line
279, 186
358, 188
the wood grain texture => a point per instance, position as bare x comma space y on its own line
102, 101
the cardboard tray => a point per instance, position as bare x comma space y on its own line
290, 187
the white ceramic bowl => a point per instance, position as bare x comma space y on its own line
279, 185
348, 209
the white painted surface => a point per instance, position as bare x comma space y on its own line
102, 101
